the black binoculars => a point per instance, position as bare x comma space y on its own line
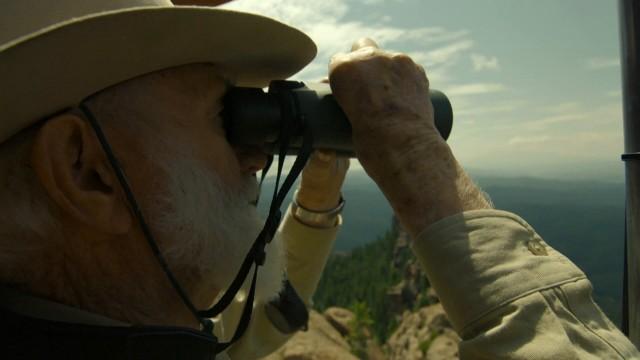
256, 118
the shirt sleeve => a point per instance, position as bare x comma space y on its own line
307, 250
510, 295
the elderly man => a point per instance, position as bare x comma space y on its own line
126, 213
85, 271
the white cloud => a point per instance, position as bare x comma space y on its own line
532, 139
492, 109
555, 120
564, 107
431, 35
441, 55
475, 89
556, 114
602, 63
567, 115
503, 132
296, 12
327, 24
520, 140
376, 2
481, 62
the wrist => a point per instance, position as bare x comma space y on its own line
414, 156
316, 200
425, 184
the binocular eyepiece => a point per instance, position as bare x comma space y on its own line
253, 117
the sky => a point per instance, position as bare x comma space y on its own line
534, 84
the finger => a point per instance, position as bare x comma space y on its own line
364, 42
421, 70
338, 58
325, 155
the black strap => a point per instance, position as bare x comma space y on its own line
263, 176
256, 254
207, 324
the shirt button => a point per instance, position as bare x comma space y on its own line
536, 248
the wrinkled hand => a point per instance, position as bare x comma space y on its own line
322, 180
386, 98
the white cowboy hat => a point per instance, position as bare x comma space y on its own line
54, 53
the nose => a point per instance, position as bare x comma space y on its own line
251, 159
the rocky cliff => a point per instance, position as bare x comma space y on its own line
322, 341
422, 334
422, 328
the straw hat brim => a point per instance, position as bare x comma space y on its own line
59, 66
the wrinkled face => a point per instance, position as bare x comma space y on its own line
194, 187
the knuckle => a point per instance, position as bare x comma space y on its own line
341, 69
402, 59
337, 58
423, 74
421, 69
366, 52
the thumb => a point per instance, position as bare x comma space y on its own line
364, 42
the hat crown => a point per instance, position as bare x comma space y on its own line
20, 18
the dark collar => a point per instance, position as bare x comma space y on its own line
33, 328
24, 304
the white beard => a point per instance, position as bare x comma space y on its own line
213, 227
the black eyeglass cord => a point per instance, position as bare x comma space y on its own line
256, 255
117, 168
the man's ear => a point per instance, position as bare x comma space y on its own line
72, 167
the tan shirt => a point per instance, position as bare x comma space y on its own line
510, 295
507, 293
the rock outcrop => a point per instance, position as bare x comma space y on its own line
339, 318
424, 334
411, 290
320, 342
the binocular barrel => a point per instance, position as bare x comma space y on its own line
255, 118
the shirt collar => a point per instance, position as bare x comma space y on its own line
28, 305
